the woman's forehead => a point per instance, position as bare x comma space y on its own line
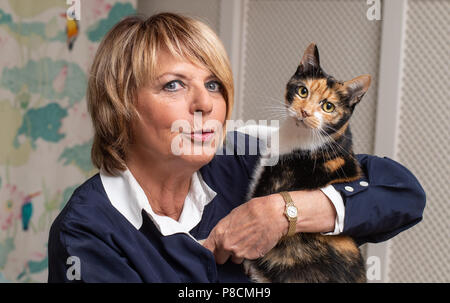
168, 63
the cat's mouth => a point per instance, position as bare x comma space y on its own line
300, 122
308, 122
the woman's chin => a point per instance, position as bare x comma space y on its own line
192, 151
198, 160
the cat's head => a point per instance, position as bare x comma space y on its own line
317, 101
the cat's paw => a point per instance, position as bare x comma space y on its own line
253, 273
247, 267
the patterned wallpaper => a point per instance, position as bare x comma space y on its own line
45, 130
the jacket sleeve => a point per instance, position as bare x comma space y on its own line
78, 254
387, 201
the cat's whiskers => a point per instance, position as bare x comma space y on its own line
335, 130
323, 155
293, 114
275, 110
275, 116
316, 134
271, 99
333, 142
273, 113
332, 146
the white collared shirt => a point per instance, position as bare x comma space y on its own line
128, 197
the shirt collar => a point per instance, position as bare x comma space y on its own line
127, 196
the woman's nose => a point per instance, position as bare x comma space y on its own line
201, 101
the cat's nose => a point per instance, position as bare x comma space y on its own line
305, 114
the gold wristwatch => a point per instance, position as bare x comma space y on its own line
291, 212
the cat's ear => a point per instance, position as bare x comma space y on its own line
310, 60
356, 88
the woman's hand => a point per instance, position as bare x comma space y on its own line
254, 228
249, 231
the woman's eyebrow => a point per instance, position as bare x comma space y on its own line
211, 77
178, 75
182, 76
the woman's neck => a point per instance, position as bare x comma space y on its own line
166, 186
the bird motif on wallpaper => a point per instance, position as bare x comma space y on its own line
72, 30
27, 210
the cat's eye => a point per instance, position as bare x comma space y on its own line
328, 107
303, 92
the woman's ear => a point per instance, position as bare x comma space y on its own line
356, 88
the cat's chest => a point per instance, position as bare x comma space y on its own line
290, 173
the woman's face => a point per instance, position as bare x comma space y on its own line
182, 113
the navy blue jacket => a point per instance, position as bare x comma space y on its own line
111, 249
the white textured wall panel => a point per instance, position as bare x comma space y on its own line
422, 254
278, 31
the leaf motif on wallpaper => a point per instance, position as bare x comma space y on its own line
39, 77
32, 267
43, 123
6, 247
23, 98
119, 10
22, 8
60, 80
10, 122
80, 156
30, 34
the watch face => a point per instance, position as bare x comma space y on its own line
291, 211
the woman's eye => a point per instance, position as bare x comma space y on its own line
173, 86
328, 107
213, 86
303, 92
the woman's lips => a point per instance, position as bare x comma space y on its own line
201, 136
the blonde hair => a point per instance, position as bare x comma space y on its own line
127, 58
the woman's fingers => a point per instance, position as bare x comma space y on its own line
237, 260
247, 231
208, 243
220, 255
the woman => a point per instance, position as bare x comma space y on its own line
140, 218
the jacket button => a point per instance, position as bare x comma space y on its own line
349, 188
364, 183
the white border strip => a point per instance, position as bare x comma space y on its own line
389, 96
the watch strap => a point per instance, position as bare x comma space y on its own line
292, 221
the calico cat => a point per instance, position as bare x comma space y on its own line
315, 151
